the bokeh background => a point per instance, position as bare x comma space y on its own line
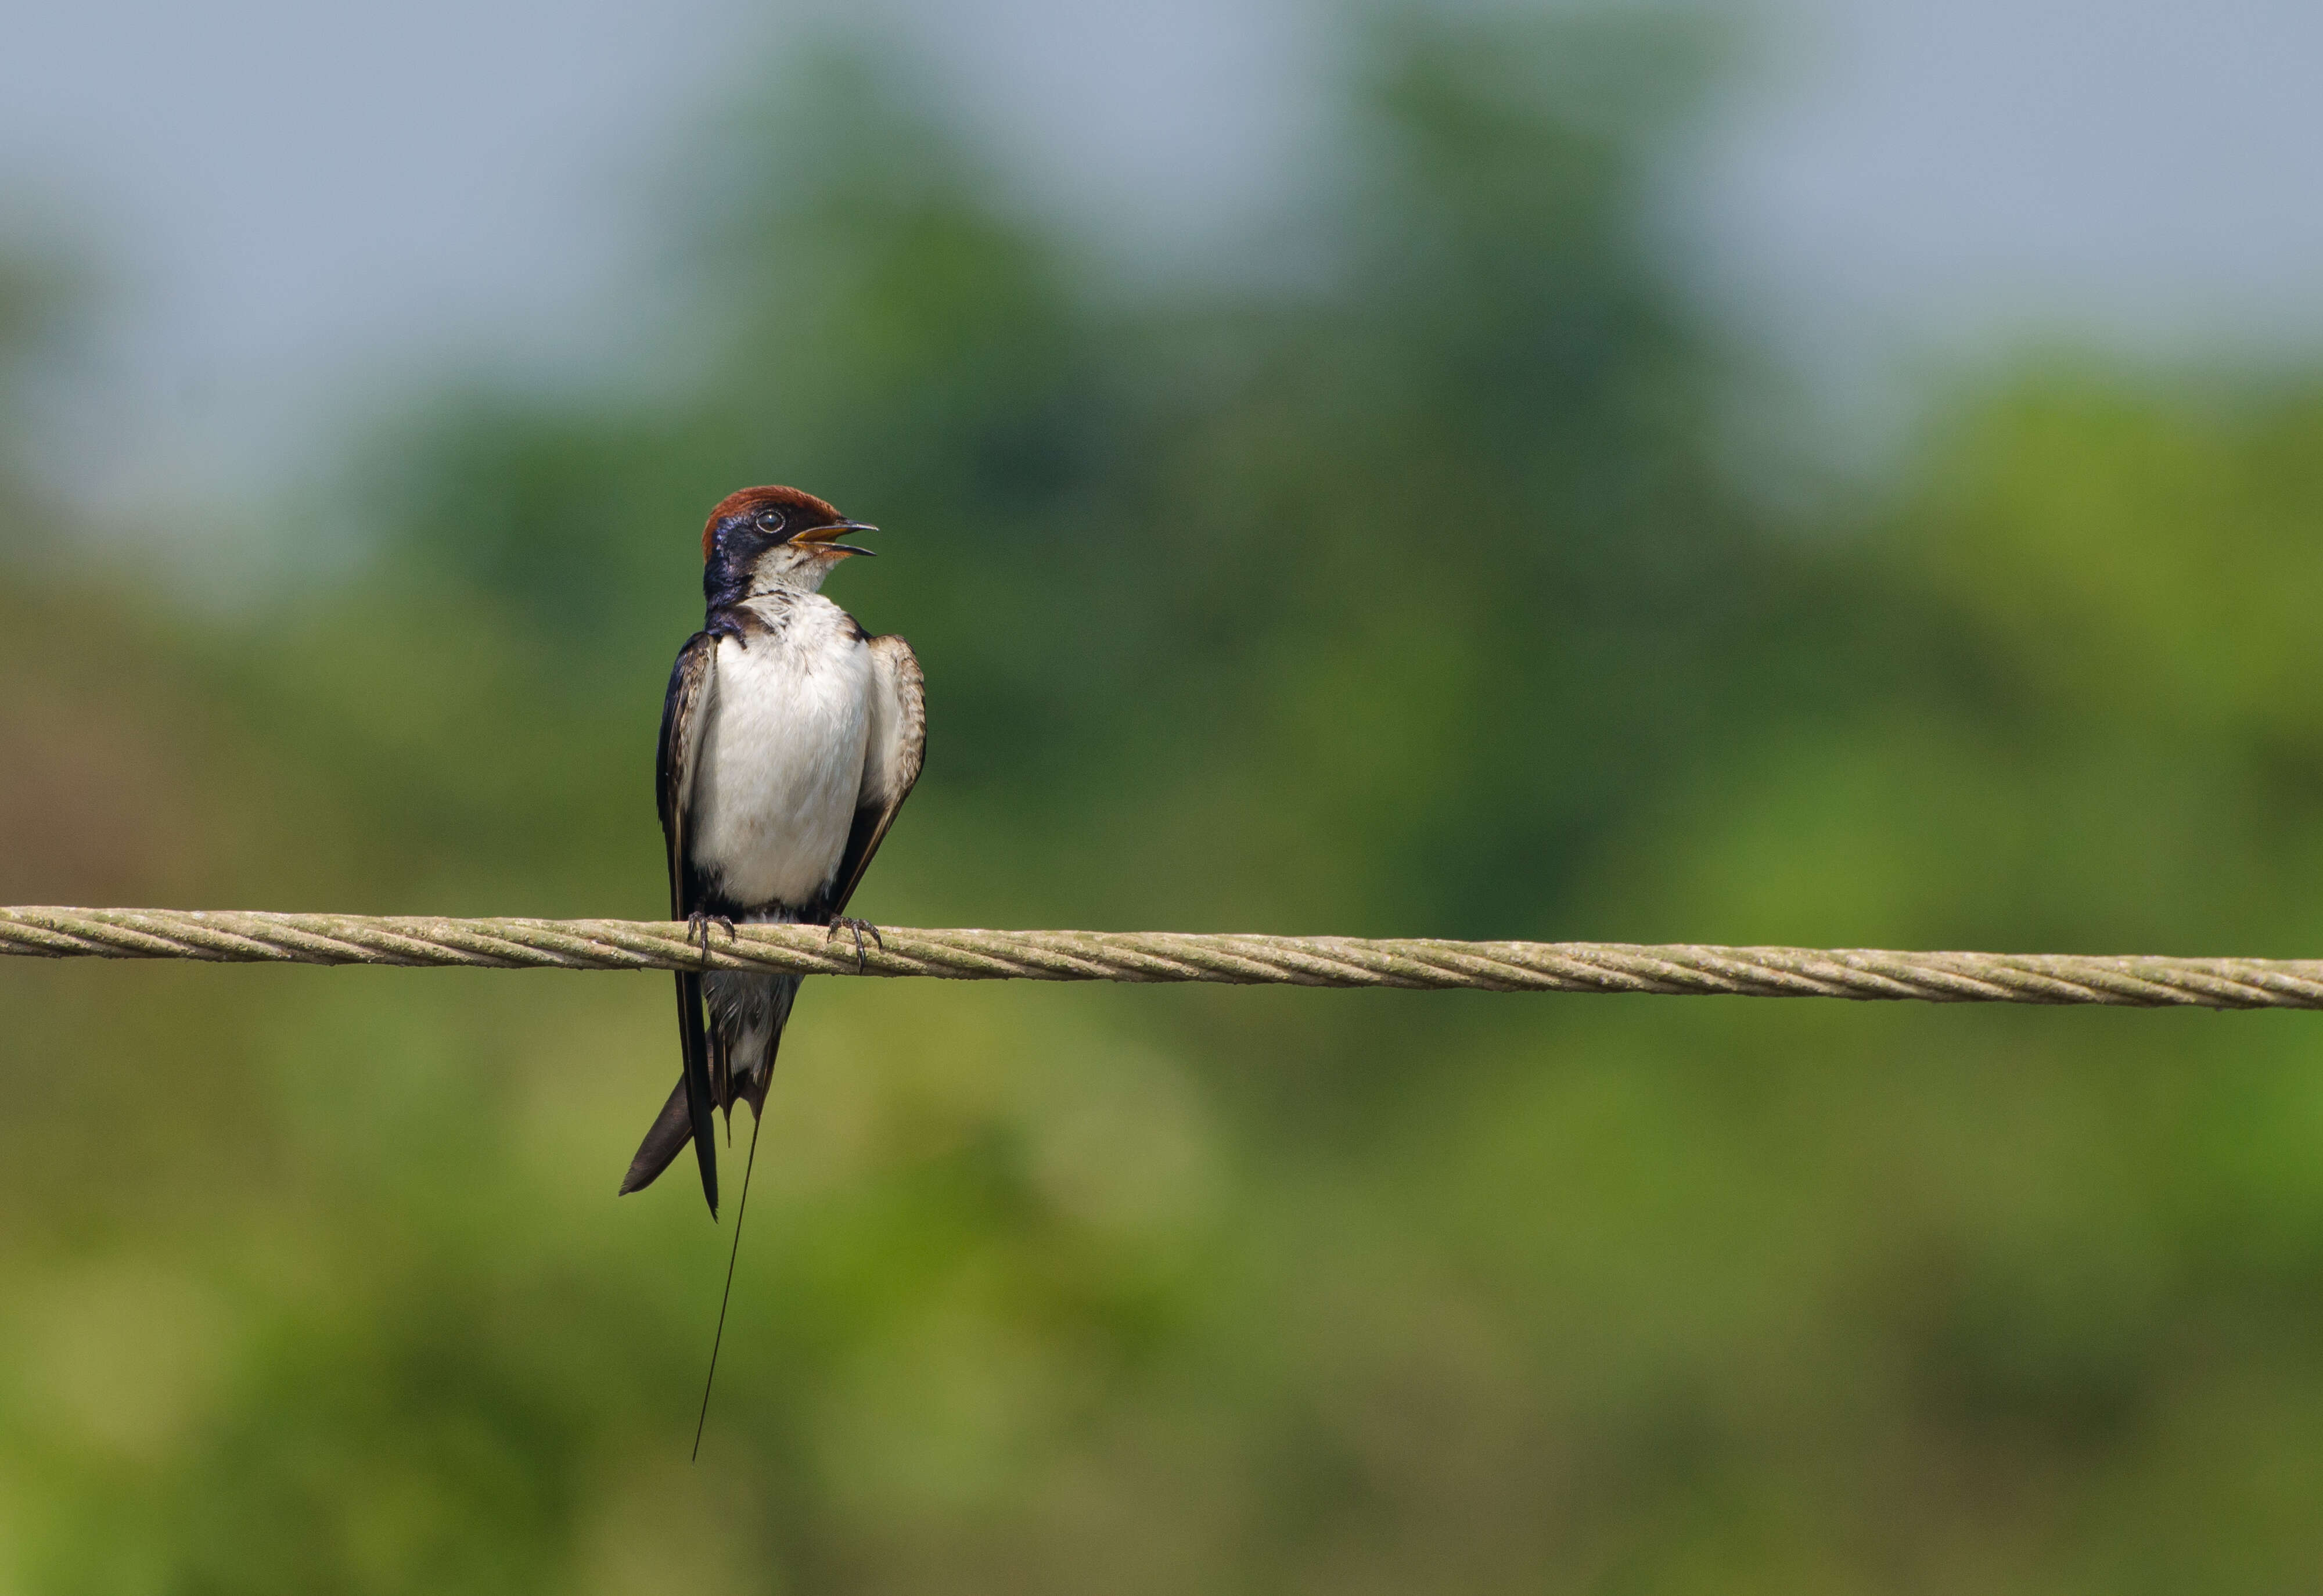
1839, 475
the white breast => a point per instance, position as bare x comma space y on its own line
782, 757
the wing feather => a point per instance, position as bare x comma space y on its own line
895, 750
685, 711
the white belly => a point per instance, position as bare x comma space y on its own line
782, 758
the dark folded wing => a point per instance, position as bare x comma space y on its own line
684, 710
891, 761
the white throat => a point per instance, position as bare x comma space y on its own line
788, 572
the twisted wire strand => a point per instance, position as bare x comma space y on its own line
1861, 974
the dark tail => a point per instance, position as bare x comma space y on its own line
687, 1113
746, 1011
670, 1133
698, 1098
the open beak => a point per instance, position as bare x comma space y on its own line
821, 538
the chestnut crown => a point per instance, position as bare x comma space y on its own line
771, 511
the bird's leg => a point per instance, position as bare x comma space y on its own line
697, 928
848, 923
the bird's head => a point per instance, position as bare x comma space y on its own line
766, 540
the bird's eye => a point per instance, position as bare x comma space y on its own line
771, 521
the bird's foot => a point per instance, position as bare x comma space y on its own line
848, 923
697, 929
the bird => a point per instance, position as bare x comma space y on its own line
790, 738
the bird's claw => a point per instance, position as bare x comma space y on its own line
697, 929
848, 923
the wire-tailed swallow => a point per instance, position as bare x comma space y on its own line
789, 738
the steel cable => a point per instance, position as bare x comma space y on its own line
411, 940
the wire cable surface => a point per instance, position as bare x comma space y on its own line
1863, 974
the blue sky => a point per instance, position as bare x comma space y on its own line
301, 212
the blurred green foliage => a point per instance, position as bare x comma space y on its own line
1407, 594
